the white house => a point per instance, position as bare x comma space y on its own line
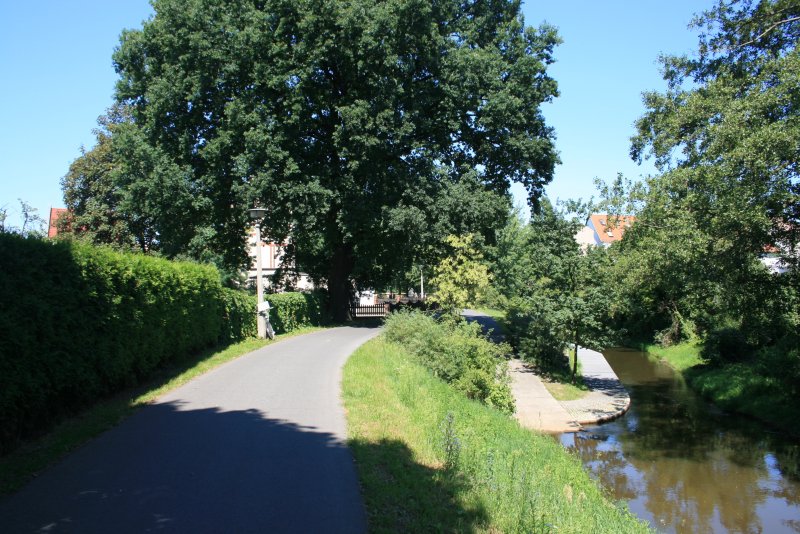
271, 258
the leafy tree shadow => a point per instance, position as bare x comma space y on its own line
404, 496
181, 469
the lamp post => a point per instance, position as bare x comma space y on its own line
258, 214
421, 282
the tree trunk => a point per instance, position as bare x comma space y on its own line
340, 287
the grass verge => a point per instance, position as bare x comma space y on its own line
22, 464
680, 357
565, 390
738, 387
430, 459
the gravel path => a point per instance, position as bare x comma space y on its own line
256, 445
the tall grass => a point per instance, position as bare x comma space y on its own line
432, 460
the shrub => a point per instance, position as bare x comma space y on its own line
726, 345
239, 315
291, 311
458, 353
532, 332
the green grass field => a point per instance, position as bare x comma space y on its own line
431, 460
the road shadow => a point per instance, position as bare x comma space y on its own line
200, 470
173, 469
405, 496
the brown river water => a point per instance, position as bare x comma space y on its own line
686, 466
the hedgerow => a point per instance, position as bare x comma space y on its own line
290, 311
79, 322
238, 314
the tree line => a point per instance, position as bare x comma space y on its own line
370, 132
374, 132
725, 136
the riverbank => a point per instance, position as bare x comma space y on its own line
742, 387
431, 459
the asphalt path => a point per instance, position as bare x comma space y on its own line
488, 324
256, 445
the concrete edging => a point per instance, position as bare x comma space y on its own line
608, 398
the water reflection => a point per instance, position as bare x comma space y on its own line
686, 466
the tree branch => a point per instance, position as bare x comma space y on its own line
765, 32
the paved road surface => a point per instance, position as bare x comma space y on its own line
489, 324
535, 406
257, 445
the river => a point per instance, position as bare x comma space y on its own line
686, 466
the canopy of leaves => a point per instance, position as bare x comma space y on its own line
352, 122
726, 136
558, 294
726, 133
460, 278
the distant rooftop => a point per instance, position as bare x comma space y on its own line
610, 228
55, 215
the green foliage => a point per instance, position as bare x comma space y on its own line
461, 278
32, 224
558, 295
358, 125
291, 311
79, 322
430, 460
724, 134
239, 315
458, 353
94, 198
761, 383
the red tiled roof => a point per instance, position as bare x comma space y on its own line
611, 228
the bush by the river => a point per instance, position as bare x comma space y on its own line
458, 353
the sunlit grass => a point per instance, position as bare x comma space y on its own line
566, 391
22, 464
430, 459
680, 357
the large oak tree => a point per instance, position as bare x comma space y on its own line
356, 123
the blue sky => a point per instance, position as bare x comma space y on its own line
57, 78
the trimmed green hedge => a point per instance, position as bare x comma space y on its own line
291, 311
79, 322
239, 315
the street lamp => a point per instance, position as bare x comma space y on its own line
258, 214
